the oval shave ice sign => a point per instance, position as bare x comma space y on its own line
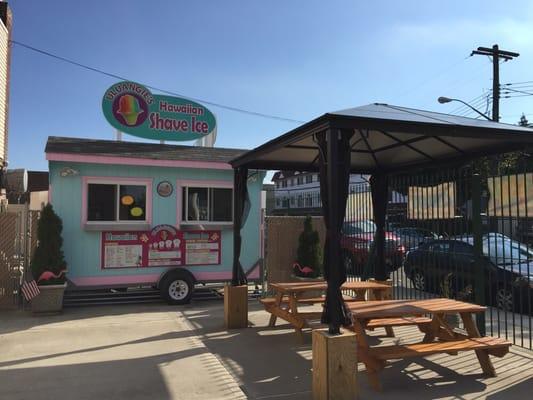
132, 108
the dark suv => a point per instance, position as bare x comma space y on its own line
434, 263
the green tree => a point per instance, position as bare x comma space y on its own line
309, 252
48, 255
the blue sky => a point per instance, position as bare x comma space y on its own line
297, 59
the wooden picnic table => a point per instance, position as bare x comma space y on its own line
289, 295
439, 336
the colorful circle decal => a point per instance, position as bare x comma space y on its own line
136, 212
164, 189
130, 109
127, 200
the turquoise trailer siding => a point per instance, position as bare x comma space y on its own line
82, 248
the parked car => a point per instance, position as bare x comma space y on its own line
503, 250
411, 237
509, 287
357, 240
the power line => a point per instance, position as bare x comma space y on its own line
476, 102
463, 107
517, 83
516, 91
115, 76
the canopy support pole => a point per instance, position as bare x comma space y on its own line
240, 211
334, 162
379, 185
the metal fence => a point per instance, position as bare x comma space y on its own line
18, 226
464, 233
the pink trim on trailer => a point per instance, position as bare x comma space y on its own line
115, 180
98, 159
211, 276
115, 280
146, 278
255, 272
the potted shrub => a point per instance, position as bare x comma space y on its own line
48, 264
309, 255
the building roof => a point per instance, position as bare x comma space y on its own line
390, 138
286, 174
155, 151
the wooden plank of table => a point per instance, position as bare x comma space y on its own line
296, 287
364, 285
401, 308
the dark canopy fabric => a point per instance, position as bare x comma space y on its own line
241, 208
379, 187
390, 138
376, 139
334, 162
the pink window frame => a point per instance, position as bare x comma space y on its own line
180, 183
116, 181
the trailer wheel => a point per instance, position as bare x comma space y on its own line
177, 287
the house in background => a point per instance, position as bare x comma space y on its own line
5, 61
298, 193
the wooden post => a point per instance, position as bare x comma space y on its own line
235, 306
334, 365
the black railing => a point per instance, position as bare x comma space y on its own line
463, 233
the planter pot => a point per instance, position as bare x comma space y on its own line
50, 300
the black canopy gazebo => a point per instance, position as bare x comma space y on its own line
376, 139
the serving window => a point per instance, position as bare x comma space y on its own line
116, 202
207, 205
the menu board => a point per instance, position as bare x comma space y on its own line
164, 245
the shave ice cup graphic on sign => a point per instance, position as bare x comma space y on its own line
132, 108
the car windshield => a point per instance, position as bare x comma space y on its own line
358, 227
503, 250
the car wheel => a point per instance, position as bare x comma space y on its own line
504, 299
419, 281
177, 288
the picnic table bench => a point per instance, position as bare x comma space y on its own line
289, 295
439, 336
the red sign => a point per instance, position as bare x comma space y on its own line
164, 245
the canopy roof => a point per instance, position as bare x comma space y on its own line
390, 138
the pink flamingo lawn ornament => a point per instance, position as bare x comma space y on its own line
303, 270
47, 275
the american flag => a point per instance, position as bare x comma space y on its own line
29, 286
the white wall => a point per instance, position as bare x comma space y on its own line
3, 89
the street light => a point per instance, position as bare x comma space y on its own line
443, 100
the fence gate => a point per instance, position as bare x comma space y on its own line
17, 241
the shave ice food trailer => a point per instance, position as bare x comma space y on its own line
150, 214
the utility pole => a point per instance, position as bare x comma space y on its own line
496, 54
